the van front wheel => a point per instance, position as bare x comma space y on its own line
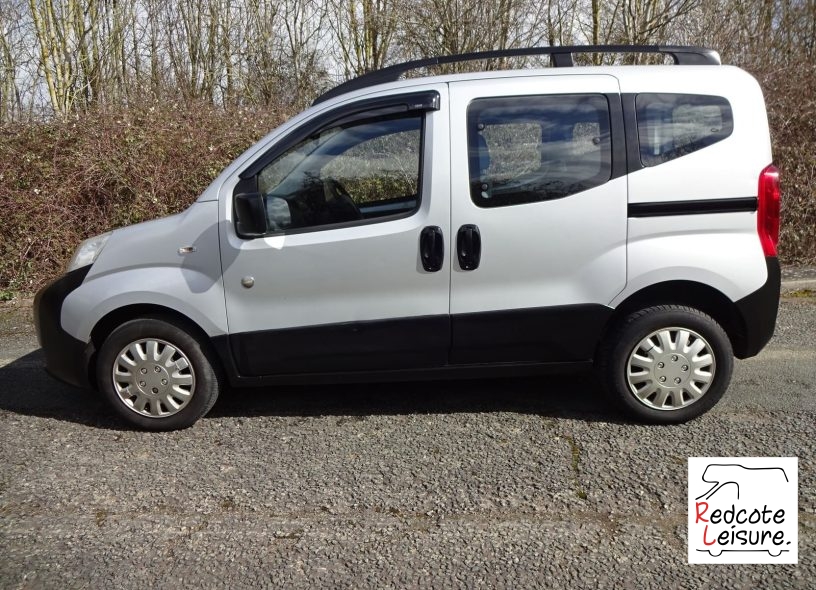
156, 375
666, 364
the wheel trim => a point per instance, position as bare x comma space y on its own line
153, 378
671, 368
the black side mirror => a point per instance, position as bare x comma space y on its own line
250, 214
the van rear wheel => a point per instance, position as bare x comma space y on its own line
156, 375
666, 364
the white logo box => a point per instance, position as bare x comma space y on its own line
743, 510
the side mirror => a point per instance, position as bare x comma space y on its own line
250, 214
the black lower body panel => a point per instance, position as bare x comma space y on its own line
465, 371
403, 343
758, 311
564, 333
66, 358
520, 341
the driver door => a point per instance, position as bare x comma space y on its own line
338, 284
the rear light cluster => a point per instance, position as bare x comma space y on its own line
768, 209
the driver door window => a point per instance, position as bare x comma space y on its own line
366, 170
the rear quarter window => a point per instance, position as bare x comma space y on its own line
674, 125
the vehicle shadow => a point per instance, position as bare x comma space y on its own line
26, 389
566, 397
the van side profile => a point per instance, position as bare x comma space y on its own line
505, 222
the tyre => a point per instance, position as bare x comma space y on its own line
666, 364
156, 375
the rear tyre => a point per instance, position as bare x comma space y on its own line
156, 375
666, 364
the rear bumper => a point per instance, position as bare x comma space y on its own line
66, 358
758, 311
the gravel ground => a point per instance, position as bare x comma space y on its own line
502, 483
798, 273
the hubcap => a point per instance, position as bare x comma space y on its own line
153, 378
671, 368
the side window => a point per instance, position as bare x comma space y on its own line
675, 125
535, 148
367, 169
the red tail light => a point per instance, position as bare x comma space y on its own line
768, 210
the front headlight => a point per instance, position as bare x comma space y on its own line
87, 252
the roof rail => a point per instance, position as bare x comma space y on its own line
560, 56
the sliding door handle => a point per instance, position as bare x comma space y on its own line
469, 247
432, 248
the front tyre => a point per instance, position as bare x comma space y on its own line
666, 364
156, 375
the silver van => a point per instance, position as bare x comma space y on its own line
479, 224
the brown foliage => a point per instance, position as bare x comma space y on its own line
63, 181
790, 94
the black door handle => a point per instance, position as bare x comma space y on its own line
469, 247
432, 248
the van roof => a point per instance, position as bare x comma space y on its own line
560, 56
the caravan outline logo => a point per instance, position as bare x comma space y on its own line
743, 510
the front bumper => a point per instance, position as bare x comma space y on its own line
66, 358
758, 311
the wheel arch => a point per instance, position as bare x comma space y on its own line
115, 318
700, 296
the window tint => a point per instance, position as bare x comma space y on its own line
365, 170
674, 125
534, 148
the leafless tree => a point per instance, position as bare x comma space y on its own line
364, 31
60, 56
12, 55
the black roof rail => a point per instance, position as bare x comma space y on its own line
560, 56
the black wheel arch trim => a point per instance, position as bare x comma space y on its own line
759, 312
749, 322
115, 318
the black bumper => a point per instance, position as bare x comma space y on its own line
758, 311
66, 358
